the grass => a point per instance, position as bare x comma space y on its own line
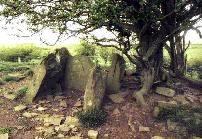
93, 118
189, 117
194, 55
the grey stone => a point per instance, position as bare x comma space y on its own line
115, 74
4, 136
95, 90
72, 121
77, 72
165, 104
20, 107
157, 137
116, 98
165, 91
181, 99
29, 114
156, 111
143, 129
92, 134
48, 76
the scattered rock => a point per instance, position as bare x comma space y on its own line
64, 128
116, 73
116, 98
29, 114
116, 112
61, 135
92, 134
20, 107
106, 136
78, 104
157, 137
165, 104
171, 125
63, 104
165, 91
49, 132
95, 90
175, 127
72, 121
41, 109
4, 136
10, 96
156, 111
54, 120
181, 99
143, 129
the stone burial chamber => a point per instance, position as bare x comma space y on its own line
60, 71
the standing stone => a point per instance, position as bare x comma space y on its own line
77, 72
47, 77
95, 90
4, 136
115, 74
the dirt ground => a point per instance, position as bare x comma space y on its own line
122, 125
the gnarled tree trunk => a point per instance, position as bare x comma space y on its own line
150, 68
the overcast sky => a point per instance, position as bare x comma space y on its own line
8, 35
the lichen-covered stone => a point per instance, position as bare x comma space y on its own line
115, 74
77, 72
48, 76
95, 90
165, 91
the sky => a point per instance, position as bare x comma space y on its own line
15, 34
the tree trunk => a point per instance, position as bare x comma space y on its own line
150, 69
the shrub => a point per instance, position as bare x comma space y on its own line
2, 82
186, 116
29, 72
25, 52
5, 130
9, 78
93, 118
22, 91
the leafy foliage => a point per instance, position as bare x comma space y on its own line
25, 52
93, 118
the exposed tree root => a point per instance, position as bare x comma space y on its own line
192, 82
147, 80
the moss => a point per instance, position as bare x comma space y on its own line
93, 118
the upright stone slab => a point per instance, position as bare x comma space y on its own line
47, 78
115, 74
77, 72
95, 90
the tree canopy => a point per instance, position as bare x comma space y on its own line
151, 23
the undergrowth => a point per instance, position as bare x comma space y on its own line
5, 130
93, 118
191, 118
